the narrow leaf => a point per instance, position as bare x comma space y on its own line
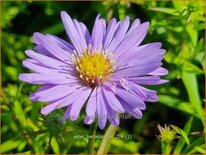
200, 150
9, 145
178, 104
165, 10
181, 142
199, 141
182, 133
191, 84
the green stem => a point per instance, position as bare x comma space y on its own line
166, 148
106, 139
92, 132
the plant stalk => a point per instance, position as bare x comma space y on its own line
104, 146
92, 132
166, 148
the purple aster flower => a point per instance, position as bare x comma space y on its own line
103, 71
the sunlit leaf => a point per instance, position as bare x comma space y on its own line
180, 5
182, 133
19, 112
193, 33
181, 142
178, 104
9, 145
55, 145
191, 84
165, 10
22, 145
200, 149
198, 142
191, 68
118, 145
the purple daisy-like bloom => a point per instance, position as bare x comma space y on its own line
103, 71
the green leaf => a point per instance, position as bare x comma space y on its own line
13, 126
118, 145
9, 145
192, 33
122, 7
178, 104
22, 145
183, 63
198, 142
55, 145
182, 133
200, 26
10, 12
11, 72
200, 149
190, 82
19, 113
191, 68
165, 10
179, 5
181, 142
39, 143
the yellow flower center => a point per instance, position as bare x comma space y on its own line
93, 67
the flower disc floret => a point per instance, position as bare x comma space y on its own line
93, 67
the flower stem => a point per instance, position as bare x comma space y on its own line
92, 132
166, 148
106, 139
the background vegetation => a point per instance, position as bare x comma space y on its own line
179, 25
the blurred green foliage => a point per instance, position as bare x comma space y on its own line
179, 25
